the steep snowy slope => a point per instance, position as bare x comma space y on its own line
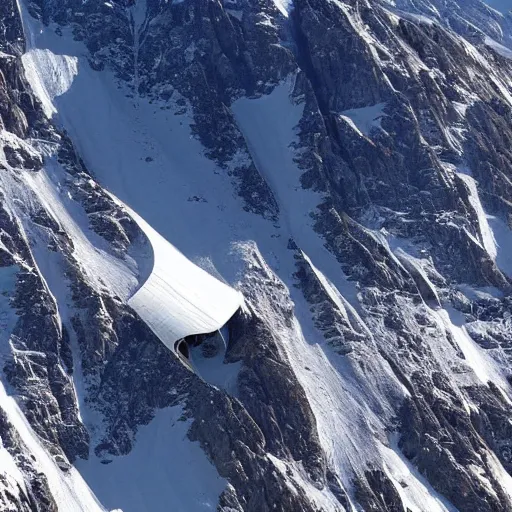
344, 168
177, 299
155, 483
69, 490
106, 270
212, 226
473, 19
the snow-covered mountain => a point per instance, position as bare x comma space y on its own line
255, 256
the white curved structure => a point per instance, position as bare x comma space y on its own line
179, 298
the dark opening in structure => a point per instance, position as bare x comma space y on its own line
211, 344
182, 349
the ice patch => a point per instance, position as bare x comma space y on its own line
486, 234
461, 108
503, 236
366, 118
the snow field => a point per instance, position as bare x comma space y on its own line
366, 118
164, 471
487, 236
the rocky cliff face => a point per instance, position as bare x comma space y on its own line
346, 166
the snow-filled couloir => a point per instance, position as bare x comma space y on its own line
174, 296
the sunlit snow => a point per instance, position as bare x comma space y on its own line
366, 118
69, 490
487, 236
180, 298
